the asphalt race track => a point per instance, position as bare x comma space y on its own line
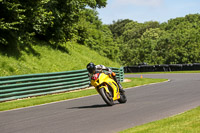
91, 115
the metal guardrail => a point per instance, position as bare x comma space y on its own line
163, 67
22, 86
119, 73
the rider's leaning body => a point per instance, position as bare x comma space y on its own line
100, 69
92, 69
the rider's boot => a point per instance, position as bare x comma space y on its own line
120, 86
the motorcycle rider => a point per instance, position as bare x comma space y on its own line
92, 69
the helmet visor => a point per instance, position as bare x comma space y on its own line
90, 70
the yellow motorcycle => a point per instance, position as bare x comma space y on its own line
107, 88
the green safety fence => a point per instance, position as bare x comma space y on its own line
22, 86
119, 73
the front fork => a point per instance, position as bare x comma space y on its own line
102, 86
107, 90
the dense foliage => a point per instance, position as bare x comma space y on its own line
53, 21
176, 41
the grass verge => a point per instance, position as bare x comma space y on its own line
68, 95
187, 122
50, 60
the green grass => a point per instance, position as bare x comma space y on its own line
50, 60
188, 122
140, 81
68, 95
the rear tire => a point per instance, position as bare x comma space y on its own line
123, 98
107, 97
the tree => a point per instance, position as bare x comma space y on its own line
173, 42
11, 20
49, 20
118, 27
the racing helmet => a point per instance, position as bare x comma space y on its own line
91, 67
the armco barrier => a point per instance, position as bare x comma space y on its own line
163, 67
22, 86
119, 73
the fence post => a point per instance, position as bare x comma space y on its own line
121, 74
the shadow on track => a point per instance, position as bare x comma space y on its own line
92, 106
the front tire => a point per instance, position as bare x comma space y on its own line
107, 97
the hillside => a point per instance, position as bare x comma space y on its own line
48, 60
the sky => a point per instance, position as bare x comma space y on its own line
147, 10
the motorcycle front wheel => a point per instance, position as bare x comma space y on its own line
107, 97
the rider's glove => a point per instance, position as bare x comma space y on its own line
113, 74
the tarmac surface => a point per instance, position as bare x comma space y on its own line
91, 115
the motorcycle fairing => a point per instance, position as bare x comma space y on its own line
104, 80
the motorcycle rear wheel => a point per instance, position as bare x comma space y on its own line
123, 98
107, 97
